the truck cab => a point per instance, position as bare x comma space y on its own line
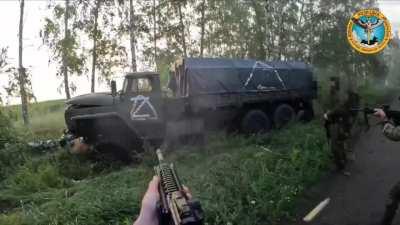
142, 103
119, 119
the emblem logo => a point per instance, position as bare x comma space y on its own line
369, 31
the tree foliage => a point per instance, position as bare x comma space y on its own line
164, 30
52, 36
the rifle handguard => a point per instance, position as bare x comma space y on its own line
174, 207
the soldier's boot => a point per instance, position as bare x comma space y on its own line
390, 212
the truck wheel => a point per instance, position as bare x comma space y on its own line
255, 121
283, 115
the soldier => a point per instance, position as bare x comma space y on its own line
393, 133
338, 123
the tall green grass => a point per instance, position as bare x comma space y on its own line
46, 118
239, 180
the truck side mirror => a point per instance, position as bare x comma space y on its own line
113, 88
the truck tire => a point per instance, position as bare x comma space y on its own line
283, 115
255, 121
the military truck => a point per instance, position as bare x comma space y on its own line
203, 93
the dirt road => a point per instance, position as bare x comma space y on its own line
360, 198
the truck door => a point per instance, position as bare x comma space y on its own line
144, 99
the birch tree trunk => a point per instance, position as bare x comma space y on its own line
155, 34
94, 51
132, 35
182, 25
203, 24
21, 69
64, 57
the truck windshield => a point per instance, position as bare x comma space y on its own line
139, 85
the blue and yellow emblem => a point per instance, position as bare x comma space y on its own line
369, 31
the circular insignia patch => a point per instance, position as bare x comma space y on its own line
369, 31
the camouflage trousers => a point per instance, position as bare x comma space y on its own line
339, 149
392, 205
339, 144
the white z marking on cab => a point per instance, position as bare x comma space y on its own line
140, 103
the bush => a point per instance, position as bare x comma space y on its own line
74, 167
11, 156
12, 149
260, 184
33, 177
7, 132
11, 219
255, 180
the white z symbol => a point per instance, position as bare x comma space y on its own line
138, 103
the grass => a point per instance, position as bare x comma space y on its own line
46, 118
239, 180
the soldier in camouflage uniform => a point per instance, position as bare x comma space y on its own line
393, 133
338, 123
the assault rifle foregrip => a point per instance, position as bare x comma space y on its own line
175, 207
390, 114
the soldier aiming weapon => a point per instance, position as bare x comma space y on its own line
391, 129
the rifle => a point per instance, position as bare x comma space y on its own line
392, 115
366, 111
175, 207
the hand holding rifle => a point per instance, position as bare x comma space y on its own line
380, 113
148, 212
167, 201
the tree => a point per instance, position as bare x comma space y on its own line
202, 25
331, 49
132, 32
97, 22
3, 64
65, 50
21, 69
64, 56
155, 33
95, 36
182, 26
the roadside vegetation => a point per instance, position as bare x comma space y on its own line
238, 179
248, 179
47, 119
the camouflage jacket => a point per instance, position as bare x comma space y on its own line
392, 132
